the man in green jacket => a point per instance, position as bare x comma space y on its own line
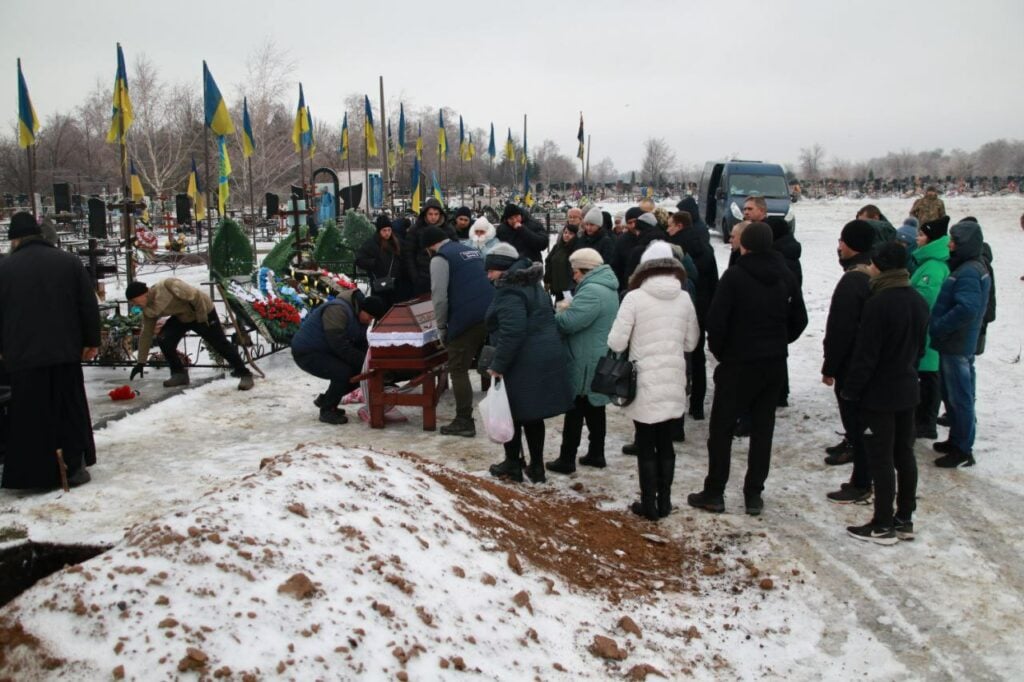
187, 309
931, 268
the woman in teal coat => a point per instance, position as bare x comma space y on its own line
584, 323
529, 357
930, 266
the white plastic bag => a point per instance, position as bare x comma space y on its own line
496, 413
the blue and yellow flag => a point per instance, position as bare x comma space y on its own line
437, 187
442, 136
248, 141
510, 150
527, 194
371, 135
470, 149
579, 136
391, 150
28, 122
195, 191
417, 187
223, 190
218, 120
301, 125
492, 151
524, 158
401, 129
419, 141
122, 116
343, 149
307, 138
462, 140
135, 182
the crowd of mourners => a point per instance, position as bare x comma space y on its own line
907, 317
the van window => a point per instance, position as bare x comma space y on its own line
768, 186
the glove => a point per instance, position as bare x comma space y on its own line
137, 370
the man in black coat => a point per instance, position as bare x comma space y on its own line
49, 324
414, 253
696, 243
848, 298
624, 244
882, 381
525, 235
756, 313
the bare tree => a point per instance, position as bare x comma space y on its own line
658, 161
811, 160
603, 171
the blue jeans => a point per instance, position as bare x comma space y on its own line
958, 381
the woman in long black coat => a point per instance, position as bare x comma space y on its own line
529, 357
380, 257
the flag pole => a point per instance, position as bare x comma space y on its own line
366, 162
348, 159
387, 143
586, 173
126, 219
31, 181
252, 207
526, 158
209, 205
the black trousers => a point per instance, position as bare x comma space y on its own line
849, 414
656, 465
534, 431
889, 441
931, 397
330, 367
697, 364
210, 332
572, 429
738, 386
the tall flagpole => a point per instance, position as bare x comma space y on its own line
209, 206
586, 174
126, 220
366, 161
384, 135
252, 205
526, 157
31, 180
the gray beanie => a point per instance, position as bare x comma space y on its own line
649, 219
501, 257
594, 216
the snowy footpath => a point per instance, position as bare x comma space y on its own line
249, 541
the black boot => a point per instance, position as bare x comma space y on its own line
535, 471
594, 459
666, 472
679, 430
647, 467
565, 464
510, 468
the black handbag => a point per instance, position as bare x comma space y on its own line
383, 285
615, 377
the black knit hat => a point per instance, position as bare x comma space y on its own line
374, 306
510, 210
858, 235
134, 289
890, 256
933, 229
23, 225
633, 213
780, 228
382, 221
757, 237
432, 234
464, 212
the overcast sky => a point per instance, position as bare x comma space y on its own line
752, 78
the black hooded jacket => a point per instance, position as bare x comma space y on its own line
529, 239
415, 256
757, 310
786, 244
848, 299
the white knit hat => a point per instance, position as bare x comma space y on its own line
657, 250
594, 216
481, 223
585, 259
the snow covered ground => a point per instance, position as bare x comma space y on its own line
342, 556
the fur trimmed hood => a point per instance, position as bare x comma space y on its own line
657, 266
523, 273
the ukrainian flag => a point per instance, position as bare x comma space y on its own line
524, 158
442, 136
401, 130
136, 183
510, 150
196, 192
28, 122
307, 138
492, 151
218, 119
527, 195
122, 116
301, 126
223, 190
437, 187
462, 140
417, 194
470, 149
419, 141
371, 135
248, 141
391, 150
344, 138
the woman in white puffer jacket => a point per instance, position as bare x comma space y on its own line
658, 324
